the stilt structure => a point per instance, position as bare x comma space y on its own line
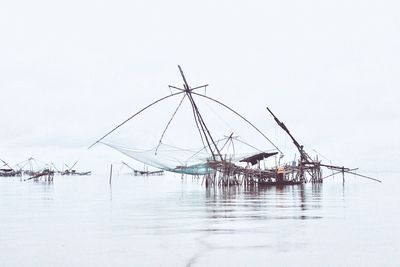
45, 175
218, 169
7, 171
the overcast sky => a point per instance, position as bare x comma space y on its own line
71, 70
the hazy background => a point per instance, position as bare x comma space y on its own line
70, 71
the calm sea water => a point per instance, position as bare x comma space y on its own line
167, 221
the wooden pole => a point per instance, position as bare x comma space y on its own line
343, 174
111, 170
196, 111
243, 118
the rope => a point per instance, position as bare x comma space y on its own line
131, 117
238, 114
169, 122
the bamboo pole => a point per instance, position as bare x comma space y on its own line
111, 172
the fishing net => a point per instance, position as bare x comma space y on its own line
167, 136
179, 160
32, 165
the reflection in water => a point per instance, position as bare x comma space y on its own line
232, 200
259, 211
184, 223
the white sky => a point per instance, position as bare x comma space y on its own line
71, 70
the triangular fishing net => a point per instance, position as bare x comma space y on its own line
169, 134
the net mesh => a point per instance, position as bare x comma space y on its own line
180, 160
180, 148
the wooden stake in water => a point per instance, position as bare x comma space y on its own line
111, 173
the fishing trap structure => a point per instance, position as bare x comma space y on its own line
225, 159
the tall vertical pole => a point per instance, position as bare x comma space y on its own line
111, 171
200, 118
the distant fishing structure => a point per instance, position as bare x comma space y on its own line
32, 166
137, 172
219, 166
37, 170
7, 171
72, 171
47, 175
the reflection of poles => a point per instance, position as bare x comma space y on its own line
303, 198
343, 174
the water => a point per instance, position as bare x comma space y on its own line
166, 221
